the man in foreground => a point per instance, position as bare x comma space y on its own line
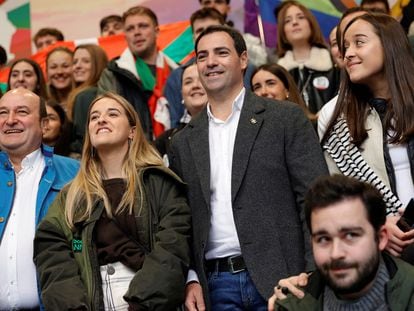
347, 222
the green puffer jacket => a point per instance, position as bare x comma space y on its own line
399, 289
70, 279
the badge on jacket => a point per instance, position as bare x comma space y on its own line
321, 83
77, 245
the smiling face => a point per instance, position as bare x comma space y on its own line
59, 69
266, 84
23, 75
108, 126
141, 35
345, 246
364, 55
52, 126
194, 95
82, 65
20, 125
296, 27
219, 66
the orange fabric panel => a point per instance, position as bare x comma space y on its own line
113, 45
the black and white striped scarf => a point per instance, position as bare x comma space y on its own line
350, 162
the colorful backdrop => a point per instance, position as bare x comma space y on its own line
79, 19
327, 12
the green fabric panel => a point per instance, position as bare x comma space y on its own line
181, 46
324, 6
145, 74
20, 17
3, 87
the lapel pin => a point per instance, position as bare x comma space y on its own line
253, 121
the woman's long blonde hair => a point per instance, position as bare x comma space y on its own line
87, 187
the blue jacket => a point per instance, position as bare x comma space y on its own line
58, 171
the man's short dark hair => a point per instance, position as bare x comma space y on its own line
207, 13
239, 43
384, 2
329, 190
109, 19
49, 32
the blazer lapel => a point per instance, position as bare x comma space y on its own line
199, 146
251, 119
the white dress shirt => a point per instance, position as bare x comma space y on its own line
18, 286
402, 169
223, 240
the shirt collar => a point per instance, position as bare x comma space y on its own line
186, 118
236, 106
29, 161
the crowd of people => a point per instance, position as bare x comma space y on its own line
225, 183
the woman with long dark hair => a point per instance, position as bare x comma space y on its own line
57, 129
27, 73
274, 81
370, 135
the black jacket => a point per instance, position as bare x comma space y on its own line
307, 81
317, 78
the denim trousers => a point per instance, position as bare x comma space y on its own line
234, 292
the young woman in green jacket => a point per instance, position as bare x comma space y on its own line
117, 237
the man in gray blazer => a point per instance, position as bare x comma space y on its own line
247, 161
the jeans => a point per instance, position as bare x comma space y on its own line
234, 292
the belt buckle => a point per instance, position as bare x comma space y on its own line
230, 262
